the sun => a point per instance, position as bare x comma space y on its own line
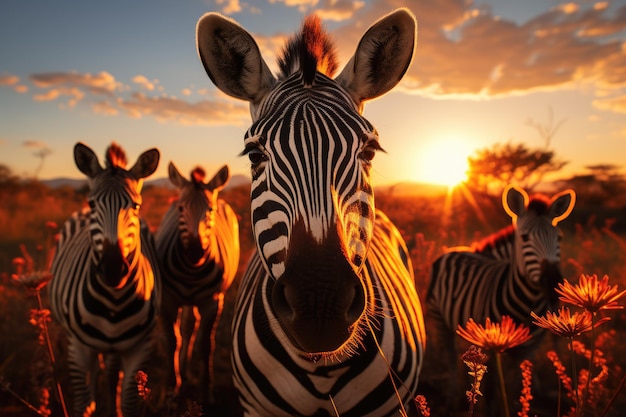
444, 161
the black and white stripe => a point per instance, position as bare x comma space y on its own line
510, 272
106, 286
198, 247
327, 315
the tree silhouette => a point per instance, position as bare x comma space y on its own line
491, 169
41, 154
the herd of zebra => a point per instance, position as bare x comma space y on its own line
327, 320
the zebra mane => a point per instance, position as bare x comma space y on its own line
494, 239
538, 203
198, 175
309, 51
115, 156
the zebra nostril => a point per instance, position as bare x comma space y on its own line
281, 305
358, 304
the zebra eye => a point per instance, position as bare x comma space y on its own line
370, 147
136, 206
92, 204
256, 156
525, 237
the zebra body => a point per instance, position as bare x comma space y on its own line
511, 272
327, 318
198, 246
106, 286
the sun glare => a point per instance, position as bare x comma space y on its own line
444, 162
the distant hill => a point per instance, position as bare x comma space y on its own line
412, 188
76, 183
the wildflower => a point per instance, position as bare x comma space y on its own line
193, 409
44, 402
527, 372
33, 281
141, 378
422, 405
565, 324
496, 337
591, 294
559, 368
40, 319
475, 360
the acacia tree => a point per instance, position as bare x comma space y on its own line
492, 169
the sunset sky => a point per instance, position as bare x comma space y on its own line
483, 73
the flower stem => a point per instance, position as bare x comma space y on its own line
574, 374
591, 358
614, 397
505, 402
59, 391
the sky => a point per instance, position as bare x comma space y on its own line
484, 72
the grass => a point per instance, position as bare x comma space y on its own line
592, 244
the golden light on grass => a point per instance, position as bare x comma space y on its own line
494, 336
566, 324
591, 294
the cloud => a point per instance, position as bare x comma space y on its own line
8, 79
206, 112
229, 6
104, 107
13, 82
142, 81
338, 10
34, 144
464, 49
75, 95
102, 83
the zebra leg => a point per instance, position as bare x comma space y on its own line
133, 361
83, 371
112, 366
188, 321
205, 344
440, 365
171, 339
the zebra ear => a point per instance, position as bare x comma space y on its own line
514, 201
562, 205
219, 180
146, 164
86, 160
232, 58
382, 57
175, 177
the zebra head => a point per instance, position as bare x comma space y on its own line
114, 201
537, 239
197, 203
311, 151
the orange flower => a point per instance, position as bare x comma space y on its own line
527, 372
33, 281
591, 294
497, 337
565, 324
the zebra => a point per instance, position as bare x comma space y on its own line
198, 246
511, 272
327, 317
105, 290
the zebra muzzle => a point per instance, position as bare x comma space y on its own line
113, 264
194, 250
550, 277
318, 308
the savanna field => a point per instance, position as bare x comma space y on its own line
593, 242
